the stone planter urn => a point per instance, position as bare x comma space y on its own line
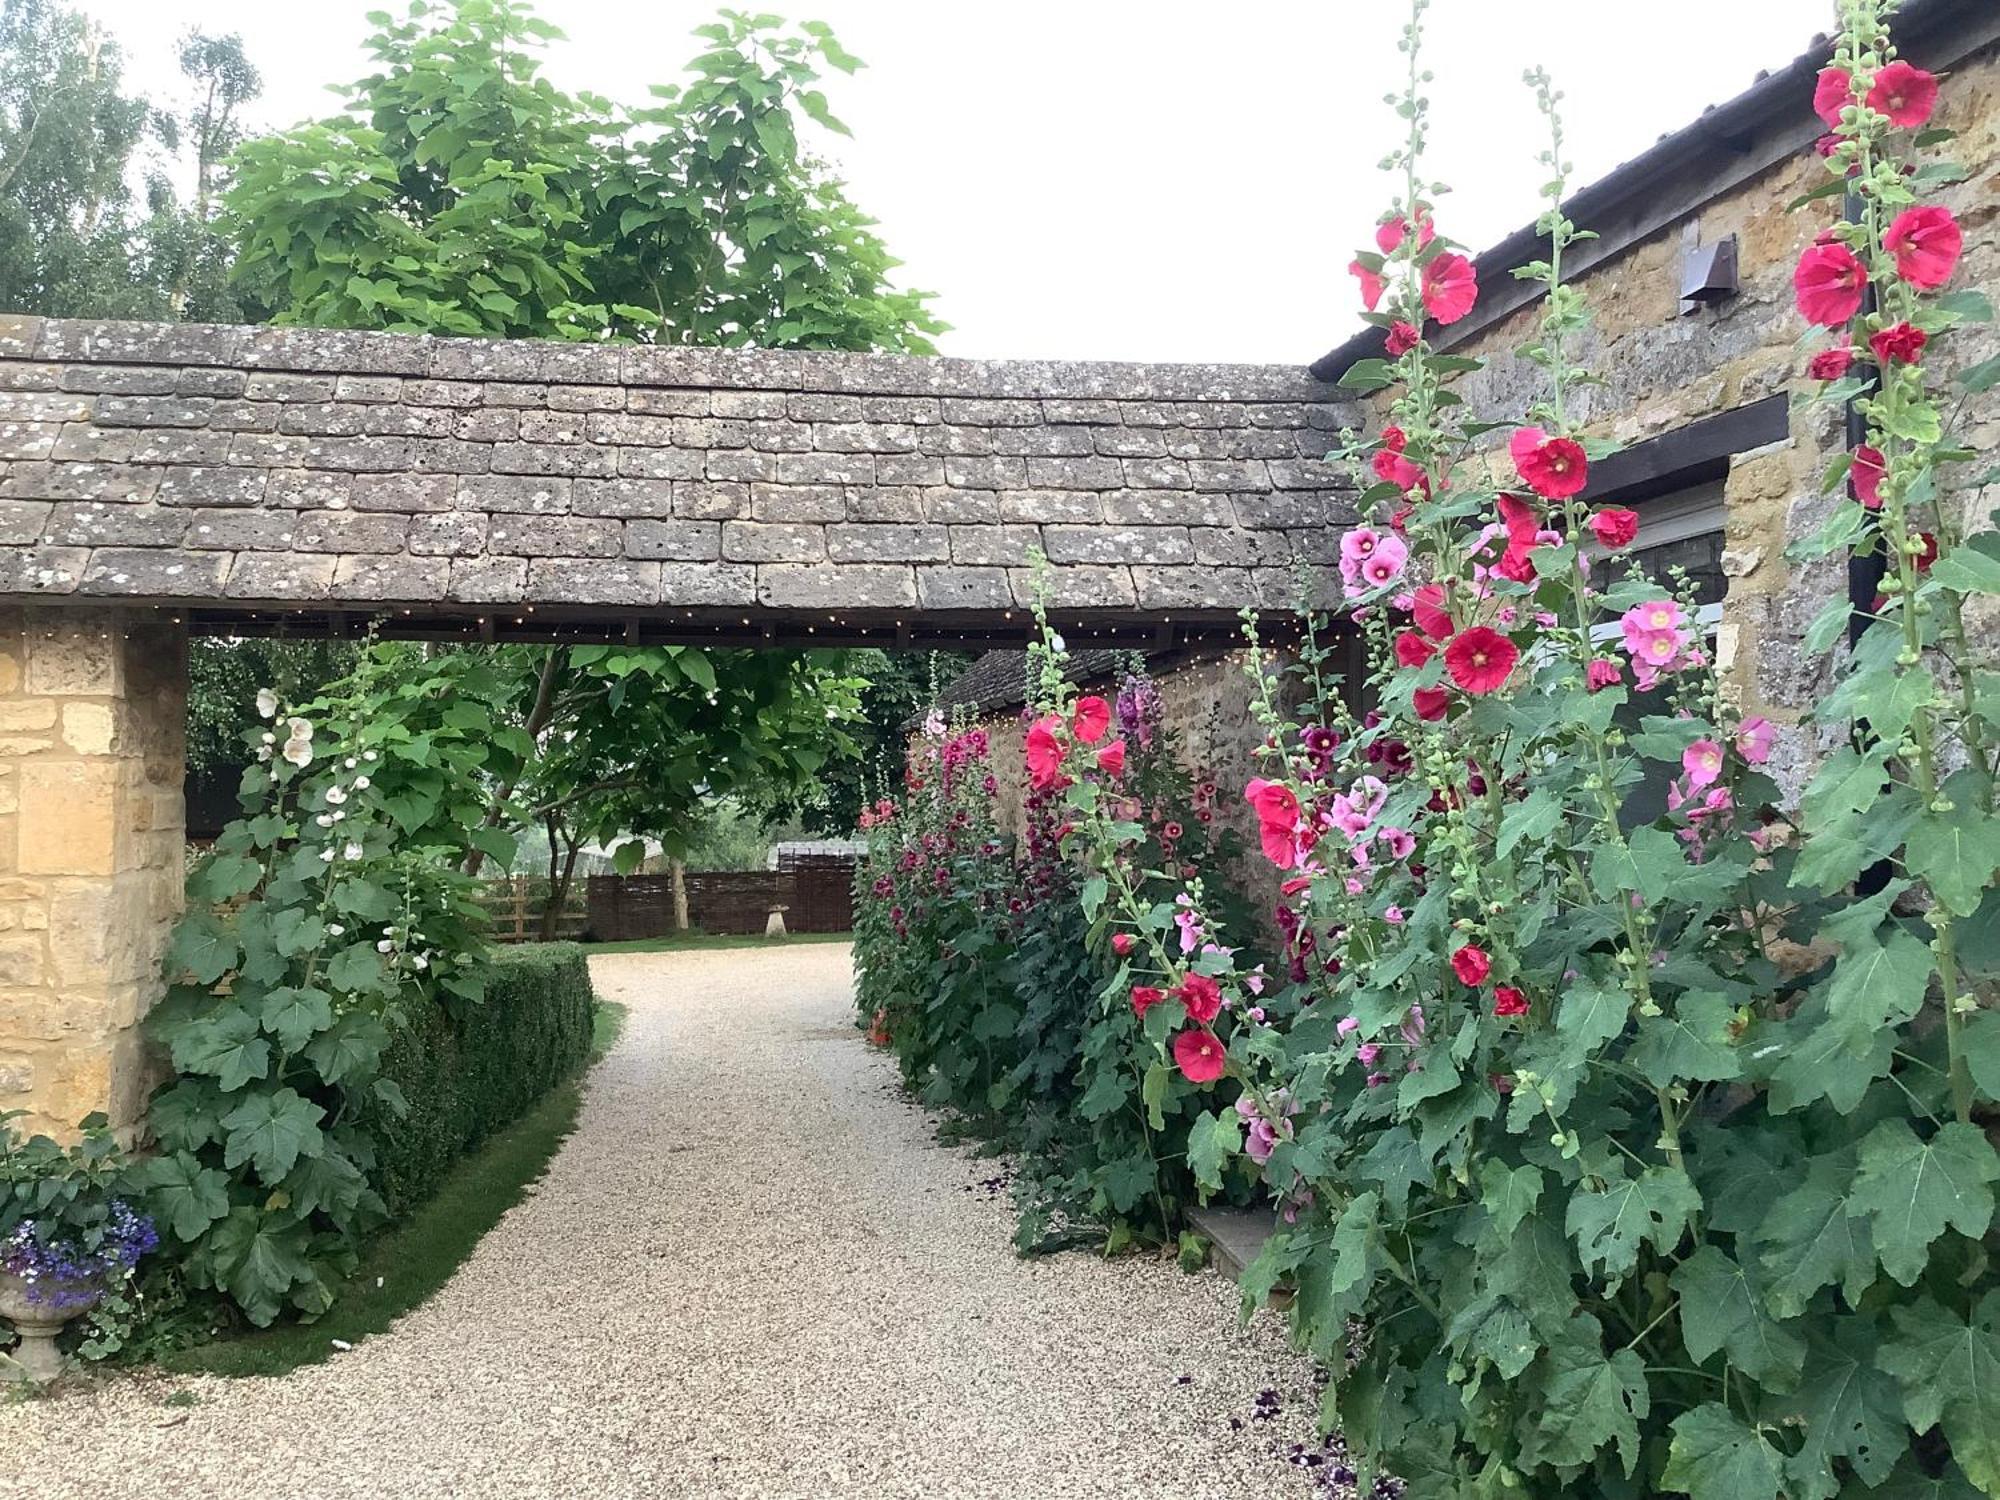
38, 1315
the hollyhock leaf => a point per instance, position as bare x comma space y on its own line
201, 948
1591, 1015
1967, 306
1331, 1282
1213, 1139
1106, 1095
1588, 1400
1879, 981
183, 1117
1366, 375
1913, 1189
1095, 889
358, 969
1910, 1482
1981, 377
325, 1183
1981, 1042
1950, 1374
1888, 697
1713, 1456
1956, 854
1723, 1307
1610, 1223
1818, 1058
1972, 567
1395, 1162
272, 1131
181, 1193
1494, 1328
1841, 847
1828, 626
1848, 781
223, 878
258, 1257
1533, 818
1650, 863
294, 1015
225, 1046
1153, 1094
350, 1049
1813, 1236
1508, 1194
1693, 1043
1849, 1409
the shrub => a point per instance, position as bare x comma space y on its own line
468, 1070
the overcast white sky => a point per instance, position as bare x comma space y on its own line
1110, 179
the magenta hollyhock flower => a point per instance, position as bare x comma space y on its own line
1367, 1052
1398, 841
1926, 242
1702, 761
1753, 739
1200, 1056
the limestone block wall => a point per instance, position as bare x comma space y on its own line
93, 707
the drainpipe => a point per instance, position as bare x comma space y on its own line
1865, 570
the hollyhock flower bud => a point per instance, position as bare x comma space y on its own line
1926, 243
1902, 344
1905, 93
1471, 964
1402, 338
1121, 944
1615, 528
1830, 364
1829, 283
1508, 1001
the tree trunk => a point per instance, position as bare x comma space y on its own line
679, 872
538, 718
559, 885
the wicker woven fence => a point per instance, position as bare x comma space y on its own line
818, 897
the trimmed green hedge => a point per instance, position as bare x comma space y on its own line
469, 1070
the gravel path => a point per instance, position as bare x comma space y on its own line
751, 1272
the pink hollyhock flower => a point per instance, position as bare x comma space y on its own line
1906, 94
1111, 759
1413, 648
1199, 1055
1902, 344
1553, 467
1450, 286
1121, 944
1044, 752
1926, 243
1277, 810
1202, 996
1430, 703
1864, 477
1357, 546
1401, 340
1397, 841
1702, 761
1385, 566
1372, 284
1367, 1052
1092, 720
1393, 915
1833, 91
1471, 964
1480, 658
1259, 1141
1830, 364
1389, 234
1828, 284
1393, 468
1602, 673
1753, 739
1508, 1001
1347, 1026
1615, 528
1650, 618
1376, 1080
1145, 997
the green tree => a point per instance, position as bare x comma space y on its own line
462, 193
76, 239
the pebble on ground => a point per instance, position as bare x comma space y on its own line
751, 1272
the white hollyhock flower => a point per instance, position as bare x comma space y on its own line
367, 754
350, 763
324, 820
362, 783
334, 929
267, 704
270, 739
299, 752
299, 729
264, 752
385, 946
352, 851
335, 796
326, 855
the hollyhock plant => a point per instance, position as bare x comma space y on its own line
1829, 283
1553, 467
1926, 243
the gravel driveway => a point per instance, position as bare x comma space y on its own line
751, 1272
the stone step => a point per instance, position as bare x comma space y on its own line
1236, 1235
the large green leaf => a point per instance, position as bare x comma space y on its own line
1713, 1456
260, 1256
1814, 1236
1211, 1141
1508, 1196
271, 1131
1879, 982
1588, 1400
224, 1045
1695, 1042
1956, 853
1913, 1189
181, 1193
294, 1015
1949, 1370
201, 948
1850, 1410
1610, 1223
1723, 1307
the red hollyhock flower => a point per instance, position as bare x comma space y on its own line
1277, 820
1524, 529
1902, 344
1413, 648
1393, 439
1602, 673
1832, 92
1427, 609
1926, 243
1830, 364
1553, 467
1929, 555
1471, 964
1508, 1001
1430, 703
1145, 997
1401, 340
1864, 479
1390, 232
1202, 996
1092, 719
1615, 528
1905, 93
1372, 284
1199, 1055
1480, 658
1111, 759
1121, 944
1392, 468
1450, 287
1828, 283
1044, 752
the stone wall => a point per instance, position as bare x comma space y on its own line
93, 705
1662, 370
275, 466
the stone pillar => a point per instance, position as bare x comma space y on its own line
93, 709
